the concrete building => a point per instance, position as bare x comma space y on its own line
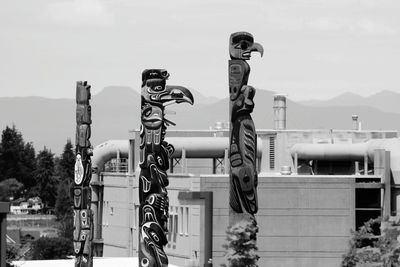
314, 187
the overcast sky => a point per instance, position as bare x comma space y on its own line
313, 49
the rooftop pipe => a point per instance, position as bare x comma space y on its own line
101, 154
354, 152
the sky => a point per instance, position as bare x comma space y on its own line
313, 49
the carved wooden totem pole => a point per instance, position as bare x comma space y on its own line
155, 153
243, 138
81, 192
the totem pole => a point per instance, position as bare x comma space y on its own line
243, 138
81, 192
155, 153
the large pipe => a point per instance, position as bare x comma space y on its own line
354, 152
203, 147
101, 154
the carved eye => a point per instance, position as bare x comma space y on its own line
155, 237
164, 74
147, 111
244, 45
160, 161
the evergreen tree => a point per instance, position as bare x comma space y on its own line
241, 244
17, 159
28, 165
64, 203
10, 188
64, 210
47, 248
46, 182
65, 164
11, 151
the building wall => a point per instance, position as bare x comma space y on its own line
303, 220
120, 218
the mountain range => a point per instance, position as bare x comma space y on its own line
385, 100
115, 111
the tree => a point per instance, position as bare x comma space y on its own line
10, 188
28, 165
241, 244
11, 148
65, 163
47, 248
64, 210
368, 249
64, 203
46, 182
17, 159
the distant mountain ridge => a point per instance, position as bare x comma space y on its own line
116, 110
385, 100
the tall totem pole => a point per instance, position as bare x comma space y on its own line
243, 138
155, 153
81, 192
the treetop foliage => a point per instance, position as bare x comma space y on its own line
368, 249
241, 244
17, 158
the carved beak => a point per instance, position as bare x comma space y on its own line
177, 94
256, 47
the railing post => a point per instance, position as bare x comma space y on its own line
4, 209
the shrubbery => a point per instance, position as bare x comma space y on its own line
11, 254
241, 244
368, 250
47, 248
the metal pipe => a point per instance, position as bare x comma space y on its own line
203, 147
101, 154
357, 168
357, 152
226, 161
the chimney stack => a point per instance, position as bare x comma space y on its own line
280, 112
356, 125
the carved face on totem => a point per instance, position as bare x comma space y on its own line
154, 89
241, 45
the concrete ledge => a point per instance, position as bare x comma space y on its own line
98, 262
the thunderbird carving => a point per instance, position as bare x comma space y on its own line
155, 153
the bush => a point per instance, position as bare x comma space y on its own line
241, 244
47, 248
366, 249
11, 254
